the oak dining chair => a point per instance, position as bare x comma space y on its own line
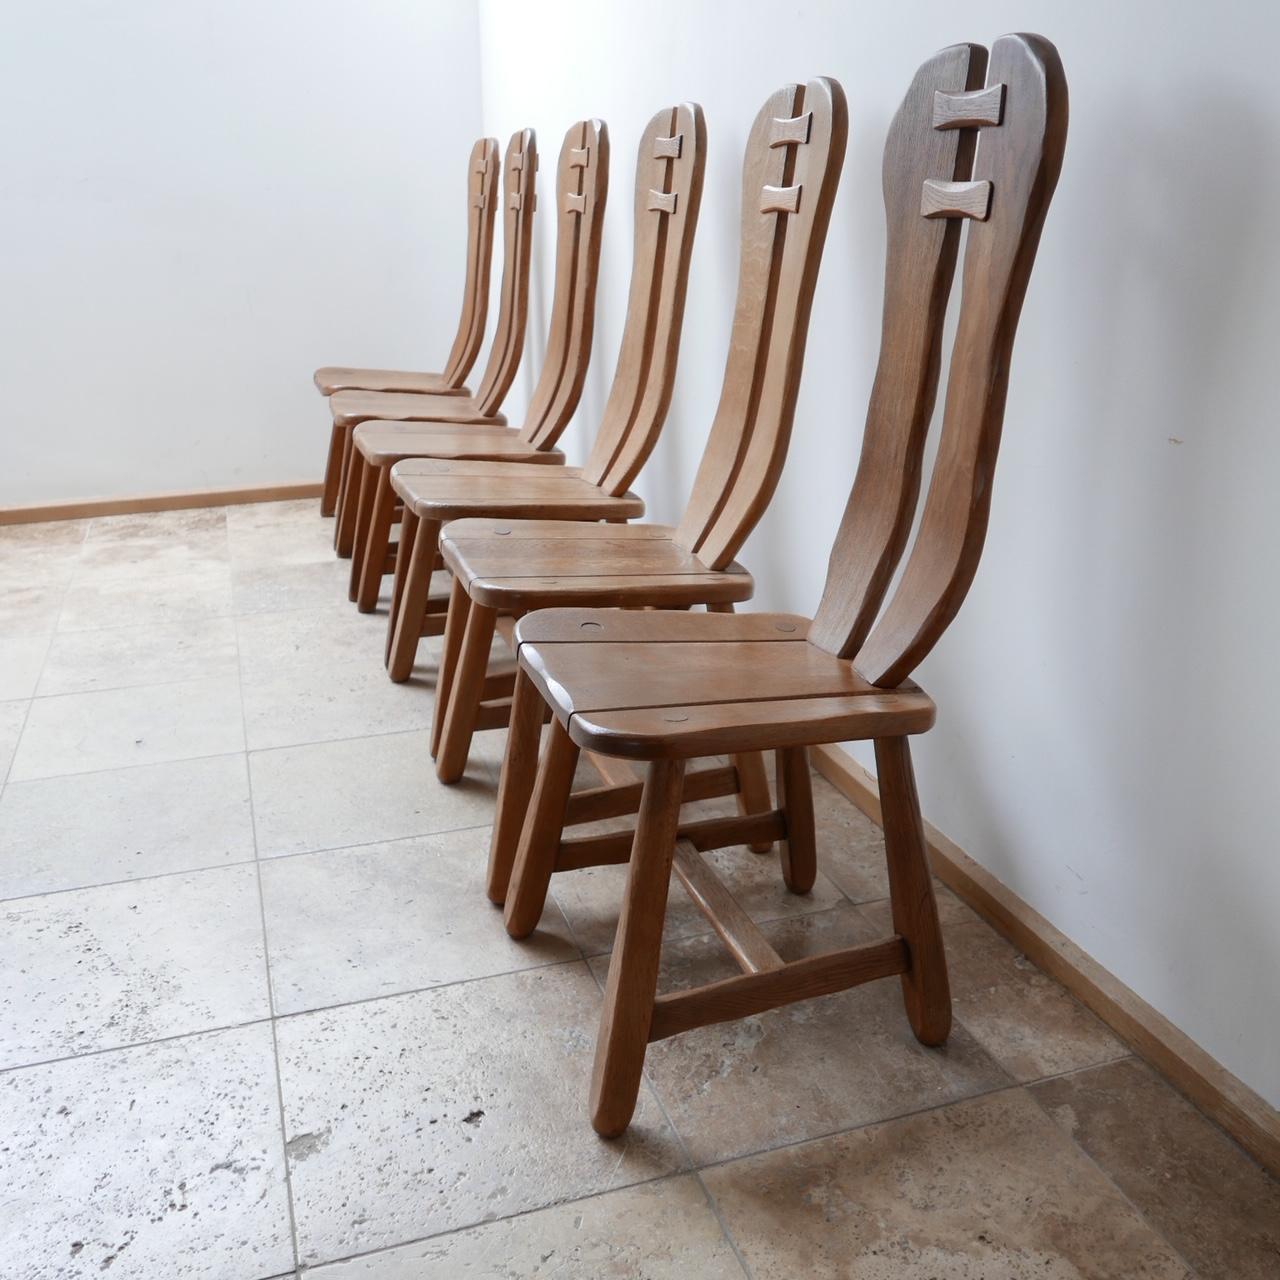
482, 200
661, 688
582, 188
668, 193
504, 568
481, 410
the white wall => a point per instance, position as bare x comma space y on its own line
1109, 697
202, 200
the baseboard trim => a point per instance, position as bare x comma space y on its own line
1245, 1115
156, 502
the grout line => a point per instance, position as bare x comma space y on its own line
266, 958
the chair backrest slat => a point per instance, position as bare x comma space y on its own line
482, 200
793, 160
1021, 158
669, 173
582, 186
519, 182
920, 258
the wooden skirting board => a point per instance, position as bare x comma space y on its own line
1238, 1109
156, 502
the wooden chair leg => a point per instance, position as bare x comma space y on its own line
519, 768
344, 477
455, 626
404, 553
466, 690
368, 490
753, 789
332, 473
540, 834
799, 850
372, 556
925, 988
344, 529
417, 561
637, 945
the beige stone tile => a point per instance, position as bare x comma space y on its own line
808, 1069
118, 657
127, 963
1025, 1020
1212, 1202
45, 536
79, 732
279, 533
318, 675
93, 828
141, 596
423, 920
982, 1190
158, 1161
21, 658
12, 717
592, 898
268, 587
423, 1113
158, 529
30, 603
359, 791
662, 1230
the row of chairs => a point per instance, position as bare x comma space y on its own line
598, 611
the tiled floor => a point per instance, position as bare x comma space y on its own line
258, 1017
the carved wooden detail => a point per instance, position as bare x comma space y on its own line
780, 199
662, 201
791, 131
970, 110
668, 148
955, 199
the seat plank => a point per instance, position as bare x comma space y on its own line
349, 408
611, 626
334, 378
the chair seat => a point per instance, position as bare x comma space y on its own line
668, 685
334, 378
352, 407
385, 443
437, 490
539, 564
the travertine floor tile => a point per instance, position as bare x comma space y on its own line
120, 657
266, 586
127, 963
422, 1113
160, 1161
317, 675
80, 732
92, 828
330, 794
809, 1069
659, 1231
1025, 1020
12, 717
423, 919
30, 602
1218, 1207
850, 845
21, 658
983, 1190
127, 595
43, 537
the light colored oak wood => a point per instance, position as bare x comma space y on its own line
348, 408
969, 110
641, 694
955, 199
39, 513
582, 186
482, 190
633, 967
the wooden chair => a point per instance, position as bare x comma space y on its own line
582, 188
669, 173
348, 408
794, 155
482, 200
663, 688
